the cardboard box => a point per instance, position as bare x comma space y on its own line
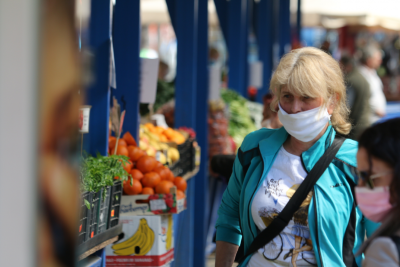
148, 241
152, 204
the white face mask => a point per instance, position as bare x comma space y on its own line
306, 125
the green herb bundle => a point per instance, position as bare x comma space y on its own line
99, 172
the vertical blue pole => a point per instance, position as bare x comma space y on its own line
298, 20
222, 8
284, 27
201, 180
185, 115
266, 40
126, 38
98, 95
238, 33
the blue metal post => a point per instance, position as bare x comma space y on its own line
284, 27
265, 39
98, 95
185, 115
222, 8
201, 180
298, 20
126, 37
171, 5
238, 32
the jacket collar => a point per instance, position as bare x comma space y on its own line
270, 146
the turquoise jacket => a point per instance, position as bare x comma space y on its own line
337, 226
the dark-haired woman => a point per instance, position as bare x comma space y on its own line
378, 192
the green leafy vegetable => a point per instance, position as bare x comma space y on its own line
99, 172
240, 121
87, 204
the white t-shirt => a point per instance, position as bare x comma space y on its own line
293, 246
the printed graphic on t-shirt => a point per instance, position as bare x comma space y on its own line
293, 246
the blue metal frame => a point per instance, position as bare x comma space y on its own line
265, 38
238, 32
222, 8
98, 95
201, 180
127, 61
171, 5
284, 27
298, 21
186, 17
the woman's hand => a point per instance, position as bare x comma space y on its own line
225, 254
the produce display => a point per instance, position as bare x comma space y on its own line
240, 121
147, 175
218, 137
154, 138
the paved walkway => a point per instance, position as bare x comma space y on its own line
211, 261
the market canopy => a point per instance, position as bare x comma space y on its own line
339, 13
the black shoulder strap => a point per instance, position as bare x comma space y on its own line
396, 241
283, 219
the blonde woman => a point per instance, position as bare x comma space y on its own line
328, 228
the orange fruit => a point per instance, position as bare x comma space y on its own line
146, 164
151, 179
164, 187
135, 153
148, 191
158, 165
129, 139
163, 172
134, 188
170, 175
127, 166
136, 174
180, 183
180, 194
121, 150
122, 142
111, 142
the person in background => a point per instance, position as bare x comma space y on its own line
371, 59
358, 97
378, 191
270, 117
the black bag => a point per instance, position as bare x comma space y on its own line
284, 217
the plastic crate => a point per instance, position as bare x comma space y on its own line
115, 202
187, 155
94, 213
83, 218
103, 211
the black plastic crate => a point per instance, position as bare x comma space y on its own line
185, 163
103, 211
83, 218
94, 213
116, 194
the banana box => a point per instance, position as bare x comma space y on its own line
148, 241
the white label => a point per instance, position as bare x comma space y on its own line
148, 80
180, 205
84, 114
158, 204
256, 74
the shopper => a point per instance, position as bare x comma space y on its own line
324, 229
270, 115
371, 60
358, 97
378, 192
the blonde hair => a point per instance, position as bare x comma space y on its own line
311, 72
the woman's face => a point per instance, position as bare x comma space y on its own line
378, 167
293, 104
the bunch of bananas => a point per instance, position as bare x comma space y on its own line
168, 241
139, 244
